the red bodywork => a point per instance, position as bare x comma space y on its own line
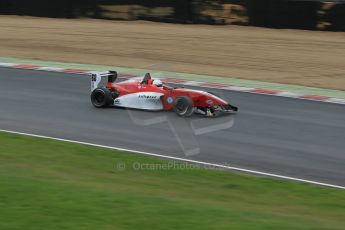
199, 98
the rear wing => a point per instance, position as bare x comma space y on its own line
96, 78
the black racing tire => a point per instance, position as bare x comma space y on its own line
183, 106
101, 97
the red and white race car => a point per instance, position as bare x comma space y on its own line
150, 94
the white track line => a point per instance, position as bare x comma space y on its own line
180, 159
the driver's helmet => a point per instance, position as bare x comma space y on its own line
157, 83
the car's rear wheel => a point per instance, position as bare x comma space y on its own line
183, 106
101, 97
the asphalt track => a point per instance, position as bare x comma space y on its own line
285, 136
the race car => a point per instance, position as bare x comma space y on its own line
151, 94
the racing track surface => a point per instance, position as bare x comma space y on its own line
285, 136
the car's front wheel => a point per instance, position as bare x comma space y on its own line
183, 106
101, 97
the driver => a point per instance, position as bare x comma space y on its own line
157, 83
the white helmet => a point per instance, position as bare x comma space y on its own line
157, 83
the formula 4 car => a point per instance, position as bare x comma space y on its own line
151, 94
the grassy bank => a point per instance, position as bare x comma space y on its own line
47, 184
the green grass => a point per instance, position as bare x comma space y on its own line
46, 184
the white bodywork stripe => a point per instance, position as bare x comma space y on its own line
141, 100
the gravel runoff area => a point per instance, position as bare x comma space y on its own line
309, 58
